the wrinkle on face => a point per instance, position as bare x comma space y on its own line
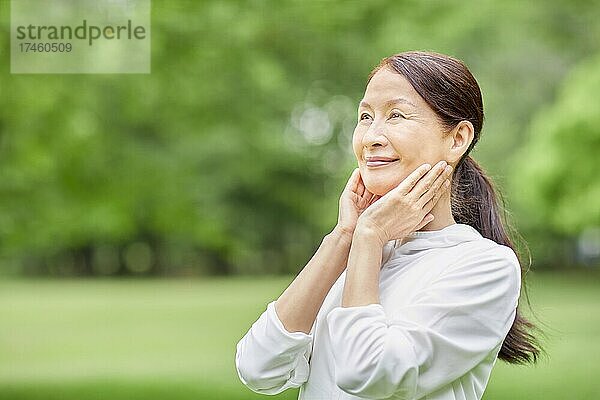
415, 136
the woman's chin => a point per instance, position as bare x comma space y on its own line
379, 188
380, 184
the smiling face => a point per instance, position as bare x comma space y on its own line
395, 122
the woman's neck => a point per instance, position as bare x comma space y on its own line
442, 213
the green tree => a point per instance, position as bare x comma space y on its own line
230, 156
555, 174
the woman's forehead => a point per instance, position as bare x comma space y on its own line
386, 87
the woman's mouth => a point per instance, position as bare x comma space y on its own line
375, 164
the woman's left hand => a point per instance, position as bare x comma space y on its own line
406, 207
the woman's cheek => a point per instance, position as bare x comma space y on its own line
356, 140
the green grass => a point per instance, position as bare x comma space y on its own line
568, 303
175, 339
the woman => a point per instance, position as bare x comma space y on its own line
414, 293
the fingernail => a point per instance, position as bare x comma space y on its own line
443, 163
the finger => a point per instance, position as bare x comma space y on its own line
374, 199
431, 203
435, 187
361, 186
409, 182
427, 181
427, 219
352, 181
371, 197
366, 198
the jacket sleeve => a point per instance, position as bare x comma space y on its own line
269, 359
447, 329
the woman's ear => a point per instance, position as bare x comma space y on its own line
460, 140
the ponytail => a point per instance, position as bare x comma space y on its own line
474, 203
449, 88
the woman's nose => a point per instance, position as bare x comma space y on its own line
374, 135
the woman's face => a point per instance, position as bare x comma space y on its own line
395, 122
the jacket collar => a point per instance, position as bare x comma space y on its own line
448, 236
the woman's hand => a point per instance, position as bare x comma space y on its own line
354, 200
406, 207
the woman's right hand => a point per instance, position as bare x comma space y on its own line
354, 200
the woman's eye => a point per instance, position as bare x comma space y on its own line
395, 115
364, 115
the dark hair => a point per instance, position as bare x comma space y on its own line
450, 89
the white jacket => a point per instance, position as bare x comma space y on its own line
447, 301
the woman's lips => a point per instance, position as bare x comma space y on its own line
375, 164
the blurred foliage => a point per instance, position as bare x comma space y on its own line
230, 156
556, 172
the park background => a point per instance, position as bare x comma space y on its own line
147, 220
